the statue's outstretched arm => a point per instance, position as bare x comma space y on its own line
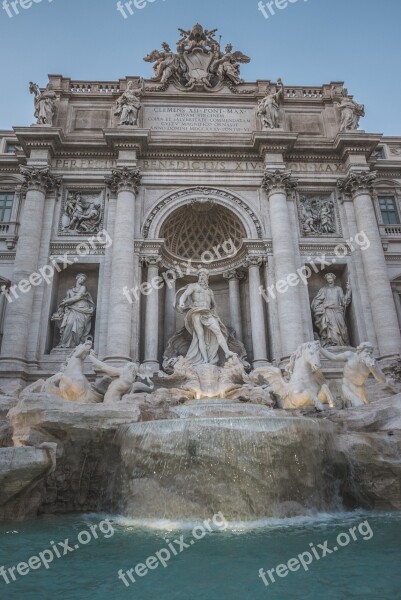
105, 368
343, 357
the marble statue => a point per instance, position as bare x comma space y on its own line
81, 215
129, 105
74, 315
329, 309
227, 66
269, 106
351, 112
359, 365
305, 385
203, 323
167, 63
45, 104
70, 383
199, 64
123, 379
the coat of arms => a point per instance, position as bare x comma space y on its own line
199, 62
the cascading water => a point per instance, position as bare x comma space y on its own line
241, 460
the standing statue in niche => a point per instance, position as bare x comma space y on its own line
329, 309
45, 104
203, 323
269, 107
129, 104
74, 315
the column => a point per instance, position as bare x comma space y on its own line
19, 312
234, 277
152, 312
257, 314
125, 183
169, 311
277, 184
359, 186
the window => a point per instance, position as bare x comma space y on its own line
10, 148
389, 210
6, 206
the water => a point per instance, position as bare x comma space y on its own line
223, 565
248, 467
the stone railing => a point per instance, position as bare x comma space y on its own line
313, 93
9, 234
80, 87
390, 230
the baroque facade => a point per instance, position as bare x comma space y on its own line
122, 190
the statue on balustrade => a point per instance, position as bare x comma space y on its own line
129, 104
45, 104
269, 107
74, 315
351, 112
329, 310
202, 322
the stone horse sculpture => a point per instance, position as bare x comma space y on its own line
306, 385
70, 383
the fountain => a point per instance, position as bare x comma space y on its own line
241, 460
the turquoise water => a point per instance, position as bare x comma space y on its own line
224, 565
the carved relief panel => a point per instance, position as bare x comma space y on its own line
318, 215
82, 211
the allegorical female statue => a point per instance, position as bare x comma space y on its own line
45, 104
129, 104
329, 308
74, 315
269, 107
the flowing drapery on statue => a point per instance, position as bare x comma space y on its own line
329, 309
74, 315
203, 323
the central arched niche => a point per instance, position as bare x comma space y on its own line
199, 227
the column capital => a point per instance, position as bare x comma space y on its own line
234, 274
358, 182
255, 261
278, 181
124, 179
39, 178
151, 260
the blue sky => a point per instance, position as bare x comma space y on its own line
308, 43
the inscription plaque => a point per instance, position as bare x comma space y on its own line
206, 119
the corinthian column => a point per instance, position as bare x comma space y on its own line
359, 186
258, 327
19, 313
152, 311
234, 277
125, 183
277, 184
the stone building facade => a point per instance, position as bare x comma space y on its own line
128, 181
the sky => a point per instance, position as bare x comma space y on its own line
309, 42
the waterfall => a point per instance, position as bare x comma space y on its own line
241, 460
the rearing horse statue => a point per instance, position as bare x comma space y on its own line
306, 385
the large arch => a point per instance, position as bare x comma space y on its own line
173, 201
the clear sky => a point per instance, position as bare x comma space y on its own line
307, 43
